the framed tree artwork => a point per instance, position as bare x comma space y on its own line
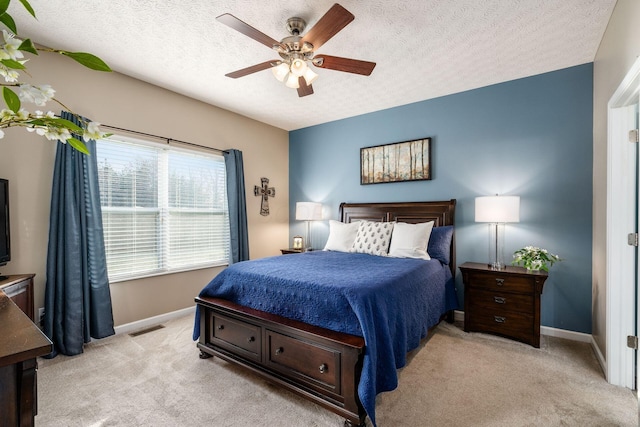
397, 162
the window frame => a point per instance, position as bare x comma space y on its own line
163, 210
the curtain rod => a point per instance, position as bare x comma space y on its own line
169, 140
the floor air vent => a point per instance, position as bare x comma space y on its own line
146, 331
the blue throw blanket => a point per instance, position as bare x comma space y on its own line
391, 302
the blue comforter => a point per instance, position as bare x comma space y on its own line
391, 302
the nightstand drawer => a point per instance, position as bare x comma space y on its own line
509, 324
490, 300
501, 282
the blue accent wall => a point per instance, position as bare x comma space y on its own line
530, 137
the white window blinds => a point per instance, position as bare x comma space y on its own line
164, 209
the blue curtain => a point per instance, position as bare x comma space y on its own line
77, 295
239, 250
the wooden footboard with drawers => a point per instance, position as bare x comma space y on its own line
318, 364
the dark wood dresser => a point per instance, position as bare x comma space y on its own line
503, 302
20, 289
21, 342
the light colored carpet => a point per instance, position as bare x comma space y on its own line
454, 379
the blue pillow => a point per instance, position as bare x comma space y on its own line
439, 246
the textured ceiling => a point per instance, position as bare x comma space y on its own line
423, 48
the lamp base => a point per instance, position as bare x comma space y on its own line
496, 246
497, 266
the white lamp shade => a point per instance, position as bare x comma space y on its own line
292, 81
308, 211
280, 71
310, 76
498, 209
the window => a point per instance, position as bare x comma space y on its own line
164, 209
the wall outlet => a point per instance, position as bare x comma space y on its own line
40, 314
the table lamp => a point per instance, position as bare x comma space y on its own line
308, 211
497, 210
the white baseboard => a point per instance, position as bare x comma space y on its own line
458, 316
601, 359
152, 321
564, 333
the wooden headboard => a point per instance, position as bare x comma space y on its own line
441, 213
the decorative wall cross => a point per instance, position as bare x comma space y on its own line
265, 191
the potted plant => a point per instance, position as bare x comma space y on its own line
534, 258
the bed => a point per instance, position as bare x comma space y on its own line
332, 326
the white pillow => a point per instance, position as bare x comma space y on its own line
341, 236
410, 240
373, 238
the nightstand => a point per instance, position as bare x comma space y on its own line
291, 251
503, 302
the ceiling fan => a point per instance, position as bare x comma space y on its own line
297, 51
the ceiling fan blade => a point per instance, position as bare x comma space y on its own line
328, 26
250, 70
303, 88
347, 65
246, 29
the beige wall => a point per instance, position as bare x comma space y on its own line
114, 99
618, 51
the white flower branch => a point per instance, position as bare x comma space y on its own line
53, 128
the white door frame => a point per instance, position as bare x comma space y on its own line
621, 220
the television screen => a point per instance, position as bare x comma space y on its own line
5, 248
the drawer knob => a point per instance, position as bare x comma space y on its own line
499, 282
323, 368
279, 350
499, 319
220, 327
500, 300
251, 339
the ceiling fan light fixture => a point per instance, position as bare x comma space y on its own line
298, 67
310, 76
280, 71
298, 52
292, 81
